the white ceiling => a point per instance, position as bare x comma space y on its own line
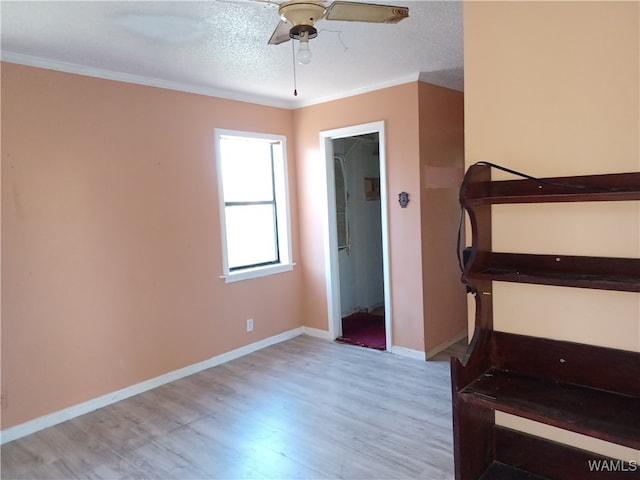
220, 47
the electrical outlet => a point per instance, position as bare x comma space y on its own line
250, 325
3, 400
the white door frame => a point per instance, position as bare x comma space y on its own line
332, 273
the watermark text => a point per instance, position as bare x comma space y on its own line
610, 465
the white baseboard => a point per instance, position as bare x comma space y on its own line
65, 414
407, 352
402, 351
316, 332
49, 420
446, 344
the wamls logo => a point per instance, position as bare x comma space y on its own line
612, 466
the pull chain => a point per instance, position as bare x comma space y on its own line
293, 58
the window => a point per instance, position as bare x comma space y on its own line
254, 204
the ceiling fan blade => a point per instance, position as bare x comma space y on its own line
365, 12
280, 34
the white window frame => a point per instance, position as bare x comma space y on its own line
281, 182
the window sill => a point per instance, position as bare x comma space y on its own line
257, 272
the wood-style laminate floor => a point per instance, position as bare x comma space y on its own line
302, 409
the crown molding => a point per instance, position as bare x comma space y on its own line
359, 91
67, 67
439, 78
49, 64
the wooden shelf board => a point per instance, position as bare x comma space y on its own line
626, 283
550, 459
609, 187
602, 273
605, 415
553, 198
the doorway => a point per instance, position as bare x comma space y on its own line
356, 234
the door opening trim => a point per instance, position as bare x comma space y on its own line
332, 273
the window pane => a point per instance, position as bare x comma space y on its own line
251, 235
247, 173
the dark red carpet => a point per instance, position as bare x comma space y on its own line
365, 330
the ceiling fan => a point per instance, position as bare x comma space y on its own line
297, 19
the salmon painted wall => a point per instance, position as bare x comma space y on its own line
442, 169
424, 141
111, 241
551, 89
398, 107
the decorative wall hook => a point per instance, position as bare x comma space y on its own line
403, 199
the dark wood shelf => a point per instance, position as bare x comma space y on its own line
587, 188
598, 413
533, 455
603, 273
587, 389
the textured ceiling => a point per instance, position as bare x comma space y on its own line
220, 47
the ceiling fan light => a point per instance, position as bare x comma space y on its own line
298, 32
304, 54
